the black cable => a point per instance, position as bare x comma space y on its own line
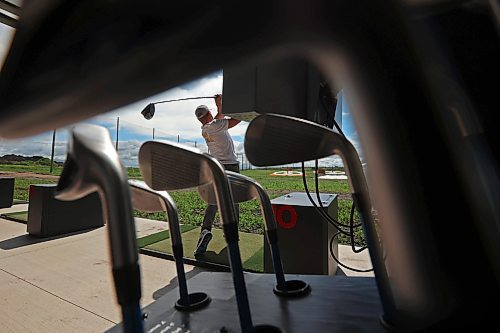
341, 264
316, 184
351, 221
351, 226
327, 217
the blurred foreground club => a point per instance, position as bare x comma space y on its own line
170, 166
92, 164
244, 189
273, 139
149, 111
148, 200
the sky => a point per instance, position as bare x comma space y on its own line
172, 121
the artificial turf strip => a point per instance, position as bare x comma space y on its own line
251, 248
16, 216
159, 236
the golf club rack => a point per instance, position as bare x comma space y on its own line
420, 80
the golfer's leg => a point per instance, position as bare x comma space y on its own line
209, 217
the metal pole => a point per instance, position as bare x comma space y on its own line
178, 138
53, 146
117, 128
153, 133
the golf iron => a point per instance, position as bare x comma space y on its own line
171, 166
148, 200
92, 165
273, 139
244, 189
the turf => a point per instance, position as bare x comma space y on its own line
251, 248
16, 216
159, 236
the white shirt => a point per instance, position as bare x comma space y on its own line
219, 142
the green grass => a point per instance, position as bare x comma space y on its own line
191, 207
21, 187
32, 167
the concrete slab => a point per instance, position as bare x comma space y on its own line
15, 208
64, 283
72, 279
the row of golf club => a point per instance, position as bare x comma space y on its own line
92, 164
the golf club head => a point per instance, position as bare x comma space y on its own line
88, 145
146, 199
291, 140
149, 111
273, 139
167, 166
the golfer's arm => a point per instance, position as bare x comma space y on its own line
219, 114
232, 122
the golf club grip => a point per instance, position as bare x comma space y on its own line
127, 284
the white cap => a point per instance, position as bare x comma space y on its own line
201, 111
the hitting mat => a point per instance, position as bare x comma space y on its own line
16, 216
251, 248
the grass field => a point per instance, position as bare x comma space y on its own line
191, 207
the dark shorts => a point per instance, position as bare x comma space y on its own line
232, 167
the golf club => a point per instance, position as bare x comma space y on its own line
273, 139
92, 165
149, 111
148, 200
244, 189
167, 166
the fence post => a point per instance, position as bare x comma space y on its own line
53, 145
117, 127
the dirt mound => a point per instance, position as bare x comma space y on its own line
30, 175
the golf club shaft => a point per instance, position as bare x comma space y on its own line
183, 99
230, 227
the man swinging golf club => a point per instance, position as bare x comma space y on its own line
220, 145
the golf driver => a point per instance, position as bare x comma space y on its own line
149, 111
148, 200
273, 139
171, 166
92, 165
244, 189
